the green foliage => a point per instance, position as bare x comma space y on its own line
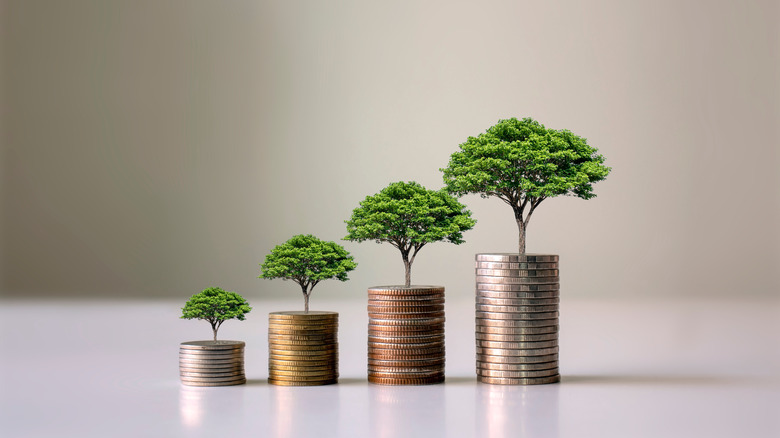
409, 216
519, 158
307, 260
216, 306
523, 163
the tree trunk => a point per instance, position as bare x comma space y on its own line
306, 302
214, 328
408, 269
521, 236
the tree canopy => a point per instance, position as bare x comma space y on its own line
523, 163
307, 260
409, 216
215, 306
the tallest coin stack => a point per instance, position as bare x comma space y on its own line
517, 319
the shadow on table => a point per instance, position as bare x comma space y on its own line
568, 379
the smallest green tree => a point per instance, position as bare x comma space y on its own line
307, 260
215, 306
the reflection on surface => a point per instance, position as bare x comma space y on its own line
397, 411
198, 405
304, 411
509, 410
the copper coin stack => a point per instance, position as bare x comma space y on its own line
303, 348
212, 363
406, 335
517, 319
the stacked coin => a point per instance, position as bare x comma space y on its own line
406, 335
303, 348
212, 363
517, 319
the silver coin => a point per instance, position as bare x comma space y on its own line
516, 338
517, 345
510, 331
489, 322
517, 366
210, 356
515, 352
517, 374
517, 258
517, 280
237, 382
519, 381
212, 361
212, 345
210, 370
211, 379
516, 316
516, 309
537, 288
486, 358
515, 265
517, 301
522, 273
209, 375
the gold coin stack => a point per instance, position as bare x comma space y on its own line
517, 319
303, 348
212, 363
406, 335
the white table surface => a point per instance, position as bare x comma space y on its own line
664, 368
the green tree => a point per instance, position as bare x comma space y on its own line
409, 216
215, 306
523, 163
307, 260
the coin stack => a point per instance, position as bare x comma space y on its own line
212, 363
303, 348
406, 335
517, 319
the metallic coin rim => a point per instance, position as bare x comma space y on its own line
516, 366
241, 382
524, 345
502, 374
516, 316
540, 290
208, 375
516, 265
521, 273
516, 309
517, 352
515, 338
297, 383
405, 381
517, 359
525, 258
527, 323
520, 381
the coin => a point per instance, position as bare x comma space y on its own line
331, 366
209, 375
503, 330
436, 308
405, 341
407, 363
516, 309
331, 373
283, 343
405, 381
519, 381
411, 351
375, 316
486, 279
299, 383
275, 361
516, 366
211, 379
492, 322
202, 356
405, 346
237, 382
517, 315
379, 327
304, 337
212, 361
516, 338
301, 315
210, 370
526, 273
277, 377
517, 301
517, 345
507, 287
517, 258
411, 290
517, 374
212, 345
405, 300
514, 265
516, 352
280, 353
406, 321
517, 359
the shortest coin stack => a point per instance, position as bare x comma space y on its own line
517, 319
212, 363
303, 348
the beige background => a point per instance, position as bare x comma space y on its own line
154, 148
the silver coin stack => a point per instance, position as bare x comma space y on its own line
517, 319
212, 363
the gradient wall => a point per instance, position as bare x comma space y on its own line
154, 148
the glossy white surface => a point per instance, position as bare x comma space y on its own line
631, 369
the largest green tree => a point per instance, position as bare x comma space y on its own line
523, 163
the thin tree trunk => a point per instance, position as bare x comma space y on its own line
521, 236
214, 328
306, 302
407, 268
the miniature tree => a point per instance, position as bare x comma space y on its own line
523, 163
409, 216
215, 306
307, 260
